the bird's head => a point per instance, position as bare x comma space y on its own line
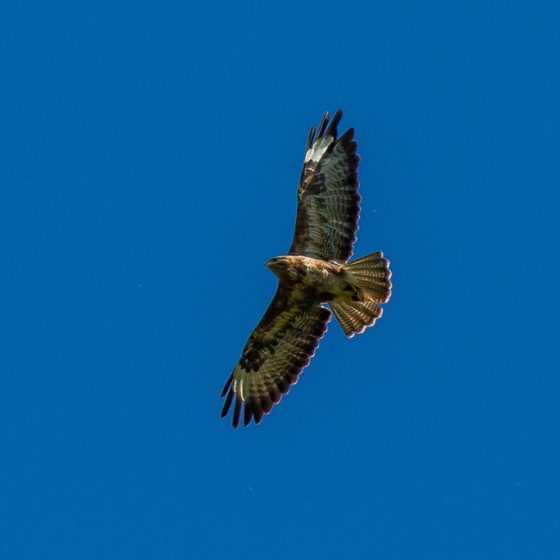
279, 265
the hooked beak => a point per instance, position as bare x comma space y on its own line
274, 264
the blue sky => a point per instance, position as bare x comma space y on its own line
151, 153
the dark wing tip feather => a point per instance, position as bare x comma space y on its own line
324, 315
275, 395
266, 404
323, 125
348, 136
332, 128
247, 413
310, 138
237, 411
283, 385
227, 385
257, 411
227, 404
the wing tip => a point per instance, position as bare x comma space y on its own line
227, 404
348, 136
247, 413
256, 408
310, 138
323, 125
252, 410
332, 128
227, 386
236, 412
328, 126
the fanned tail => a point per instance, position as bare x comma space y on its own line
371, 278
355, 316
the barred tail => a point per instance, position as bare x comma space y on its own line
371, 278
355, 316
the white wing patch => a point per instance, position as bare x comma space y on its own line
315, 153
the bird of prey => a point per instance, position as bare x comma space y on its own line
315, 273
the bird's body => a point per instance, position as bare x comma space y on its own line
314, 273
320, 279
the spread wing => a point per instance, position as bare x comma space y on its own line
328, 199
279, 348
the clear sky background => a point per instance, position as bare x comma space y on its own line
150, 154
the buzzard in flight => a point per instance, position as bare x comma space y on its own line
314, 273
